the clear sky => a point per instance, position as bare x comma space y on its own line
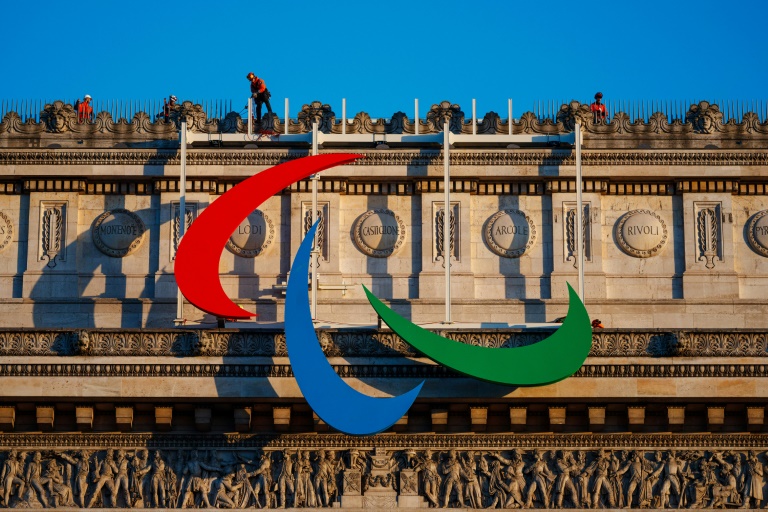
381, 55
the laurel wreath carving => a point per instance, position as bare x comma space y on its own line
268, 239
370, 251
627, 248
501, 251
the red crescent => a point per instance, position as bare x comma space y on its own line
197, 259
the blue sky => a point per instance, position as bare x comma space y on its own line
381, 55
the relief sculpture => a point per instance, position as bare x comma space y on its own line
270, 479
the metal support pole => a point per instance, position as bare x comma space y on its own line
579, 227
474, 117
447, 238
343, 116
315, 249
509, 108
416, 109
182, 211
250, 117
287, 117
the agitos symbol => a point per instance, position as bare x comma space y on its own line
334, 401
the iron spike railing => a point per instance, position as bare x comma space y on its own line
638, 110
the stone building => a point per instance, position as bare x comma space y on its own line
107, 402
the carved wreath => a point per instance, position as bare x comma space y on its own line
637, 252
367, 249
109, 251
6, 240
509, 253
252, 253
751, 238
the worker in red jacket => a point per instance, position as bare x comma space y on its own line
598, 109
84, 109
260, 94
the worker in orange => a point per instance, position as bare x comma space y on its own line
598, 109
169, 106
260, 94
84, 110
597, 324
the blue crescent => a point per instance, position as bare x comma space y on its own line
334, 401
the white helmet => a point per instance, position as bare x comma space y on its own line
88, 96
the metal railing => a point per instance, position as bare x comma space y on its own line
637, 110
642, 110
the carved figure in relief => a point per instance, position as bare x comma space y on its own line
58, 487
140, 468
158, 482
564, 466
452, 471
430, 477
172, 469
305, 493
671, 479
82, 468
285, 479
618, 468
224, 491
11, 477
601, 485
542, 479
103, 475
753, 481
581, 478
195, 485
514, 478
121, 480
263, 474
245, 493
638, 470
472, 492
725, 490
35, 479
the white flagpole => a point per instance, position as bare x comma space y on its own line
315, 249
579, 227
447, 238
182, 211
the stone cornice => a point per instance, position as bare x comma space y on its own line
516, 157
189, 343
400, 441
361, 371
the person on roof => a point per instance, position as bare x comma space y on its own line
599, 113
84, 109
260, 94
597, 324
169, 106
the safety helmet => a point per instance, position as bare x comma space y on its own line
88, 96
173, 98
598, 95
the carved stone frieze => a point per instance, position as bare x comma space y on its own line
570, 249
445, 110
219, 343
573, 113
376, 158
708, 232
453, 236
404, 471
316, 112
53, 232
6, 231
323, 227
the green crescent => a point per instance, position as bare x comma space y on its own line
550, 360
